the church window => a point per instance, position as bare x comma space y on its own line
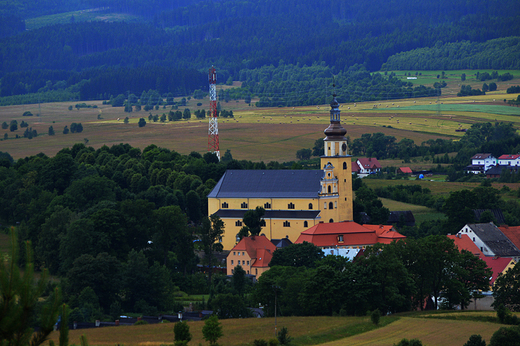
305, 224
225, 205
286, 224
325, 205
238, 223
335, 204
267, 205
331, 221
344, 165
290, 206
243, 205
331, 206
310, 205
328, 188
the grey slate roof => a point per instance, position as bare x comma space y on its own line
268, 184
270, 214
495, 239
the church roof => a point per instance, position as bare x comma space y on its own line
268, 184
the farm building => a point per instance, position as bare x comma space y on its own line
404, 170
294, 200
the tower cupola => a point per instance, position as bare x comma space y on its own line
335, 132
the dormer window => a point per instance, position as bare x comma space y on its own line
340, 238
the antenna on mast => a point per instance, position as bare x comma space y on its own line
213, 142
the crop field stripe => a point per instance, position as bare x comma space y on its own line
431, 333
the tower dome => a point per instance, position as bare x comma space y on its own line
335, 131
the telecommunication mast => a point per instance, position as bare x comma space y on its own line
213, 143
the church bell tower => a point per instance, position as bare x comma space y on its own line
336, 161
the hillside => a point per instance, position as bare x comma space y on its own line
146, 44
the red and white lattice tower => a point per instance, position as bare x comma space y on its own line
213, 145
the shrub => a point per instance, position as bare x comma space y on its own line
283, 336
475, 340
260, 342
182, 333
140, 323
375, 316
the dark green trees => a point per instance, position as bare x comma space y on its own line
20, 296
506, 290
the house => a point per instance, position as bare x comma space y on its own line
490, 240
404, 170
368, 165
496, 171
498, 265
463, 242
401, 216
347, 238
253, 254
509, 160
485, 161
294, 200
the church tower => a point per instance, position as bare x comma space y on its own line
336, 185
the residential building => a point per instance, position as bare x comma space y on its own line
497, 171
499, 266
490, 240
404, 170
368, 165
253, 254
347, 238
509, 160
294, 200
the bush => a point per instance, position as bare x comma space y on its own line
182, 333
406, 342
375, 316
260, 342
140, 323
505, 337
475, 340
283, 336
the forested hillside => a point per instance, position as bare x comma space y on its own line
240, 36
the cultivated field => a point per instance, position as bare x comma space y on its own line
256, 134
330, 331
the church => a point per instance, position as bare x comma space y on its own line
294, 200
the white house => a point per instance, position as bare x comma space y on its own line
486, 160
490, 240
509, 160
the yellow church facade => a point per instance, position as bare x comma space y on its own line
294, 200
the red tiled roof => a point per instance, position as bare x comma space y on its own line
354, 234
513, 233
508, 157
369, 162
497, 266
259, 248
406, 170
355, 167
465, 243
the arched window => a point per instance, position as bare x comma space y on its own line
331, 206
225, 205
290, 206
310, 205
331, 221
305, 224
238, 223
328, 188
344, 165
267, 205
243, 205
286, 224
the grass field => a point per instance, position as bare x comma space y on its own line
306, 331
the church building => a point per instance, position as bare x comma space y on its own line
294, 200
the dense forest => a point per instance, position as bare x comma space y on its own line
239, 38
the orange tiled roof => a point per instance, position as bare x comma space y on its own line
259, 248
406, 170
508, 157
465, 243
513, 233
327, 234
